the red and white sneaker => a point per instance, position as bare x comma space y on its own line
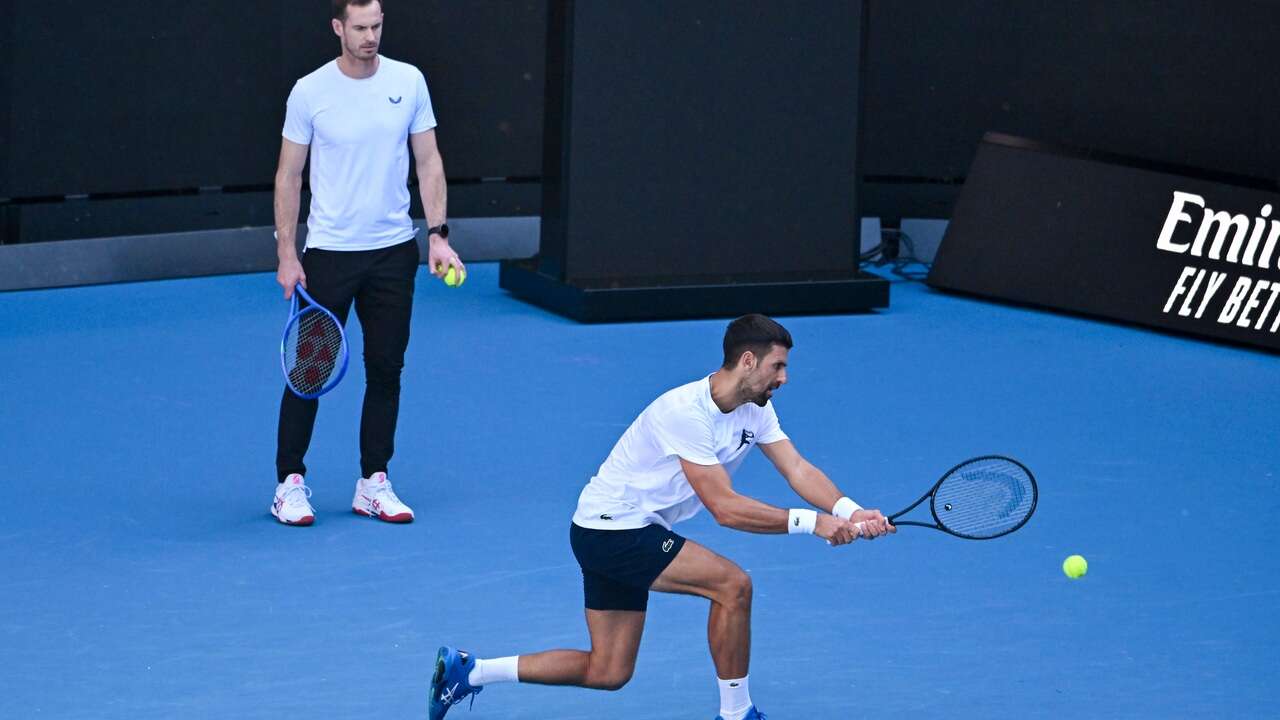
290, 505
375, 498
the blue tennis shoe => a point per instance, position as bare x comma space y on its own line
449, 685
752, 714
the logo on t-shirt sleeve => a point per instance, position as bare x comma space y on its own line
747, 437
395, 100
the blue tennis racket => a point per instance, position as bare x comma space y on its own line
313, 351
979, 499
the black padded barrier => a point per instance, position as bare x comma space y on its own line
692, 147
1122, 238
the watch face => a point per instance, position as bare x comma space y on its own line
442, 230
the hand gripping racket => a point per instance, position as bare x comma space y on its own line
979, 499
313, 351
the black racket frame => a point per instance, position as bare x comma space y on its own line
937, 522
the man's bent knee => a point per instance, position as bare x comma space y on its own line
737, 591
609, 679
611, 685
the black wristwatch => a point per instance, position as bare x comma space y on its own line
442, 230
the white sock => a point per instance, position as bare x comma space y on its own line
497, 670
735, 699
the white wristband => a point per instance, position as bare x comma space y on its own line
802, 522
844, 508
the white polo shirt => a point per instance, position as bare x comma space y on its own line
358, 130
642, 483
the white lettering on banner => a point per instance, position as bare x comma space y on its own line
1258, 227
1223, 225
1165, 241
1181, 288
1223, 220
1215, 281
1233, 302
1265, 260
1266, 311
1252, 303
1233, 238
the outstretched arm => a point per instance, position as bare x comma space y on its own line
815, 487
741, 512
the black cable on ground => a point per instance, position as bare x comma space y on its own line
906, 264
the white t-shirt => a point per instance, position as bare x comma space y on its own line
358, 131
642, 483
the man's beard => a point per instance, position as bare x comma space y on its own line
761, 398
359, 50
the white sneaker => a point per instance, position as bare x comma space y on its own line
290, 505
375, 498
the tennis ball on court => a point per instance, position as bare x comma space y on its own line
1075, 567
453, 278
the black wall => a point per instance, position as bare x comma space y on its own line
132, 96
1183, 81
6, 92
686, 152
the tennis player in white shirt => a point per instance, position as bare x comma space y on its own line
676, 458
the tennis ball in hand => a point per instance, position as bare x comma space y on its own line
1075, 567
453, 278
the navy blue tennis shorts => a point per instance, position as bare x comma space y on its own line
618, 566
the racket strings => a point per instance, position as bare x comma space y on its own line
313, 352
986, 498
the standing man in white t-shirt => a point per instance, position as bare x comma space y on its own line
358, 116
676, 458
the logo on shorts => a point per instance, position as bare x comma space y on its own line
747, 437
666, 546
395, 100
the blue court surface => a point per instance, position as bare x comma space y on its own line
142, 576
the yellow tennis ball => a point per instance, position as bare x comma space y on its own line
1075, 567
453, 278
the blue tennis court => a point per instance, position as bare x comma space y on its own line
142, 576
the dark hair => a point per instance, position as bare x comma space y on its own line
753, 332
340, 7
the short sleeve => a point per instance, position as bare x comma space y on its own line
686, 435
770, 430
424, 116
297, 118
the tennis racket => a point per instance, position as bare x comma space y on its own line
313, 351
979, 499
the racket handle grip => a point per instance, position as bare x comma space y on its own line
857, 525
861, 525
